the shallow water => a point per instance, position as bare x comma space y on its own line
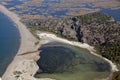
45, 8
65, 62
9, 42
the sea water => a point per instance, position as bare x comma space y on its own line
9, 41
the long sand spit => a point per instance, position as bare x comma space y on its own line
27, 45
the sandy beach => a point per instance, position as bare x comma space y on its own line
27, 45
27, 63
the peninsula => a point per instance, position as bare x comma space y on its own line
22, 63
24, 67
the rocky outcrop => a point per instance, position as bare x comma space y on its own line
95, 29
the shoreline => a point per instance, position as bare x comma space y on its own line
27, 44
49, 37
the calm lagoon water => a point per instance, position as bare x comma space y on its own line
65, 62
9, 41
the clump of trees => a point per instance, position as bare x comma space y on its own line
95, 17
111, 51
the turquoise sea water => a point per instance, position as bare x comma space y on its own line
9, 41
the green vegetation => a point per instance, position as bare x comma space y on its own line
34, 28
33, 31
111, 51
96, 17
116, 76
37, 42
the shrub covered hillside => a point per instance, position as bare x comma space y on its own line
96, 29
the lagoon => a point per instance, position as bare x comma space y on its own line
65, 62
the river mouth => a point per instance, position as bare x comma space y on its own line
65, 62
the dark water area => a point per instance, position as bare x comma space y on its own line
115, 13
13, 3
45, 6
9, 41
59, 60
52, 1
59, 13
